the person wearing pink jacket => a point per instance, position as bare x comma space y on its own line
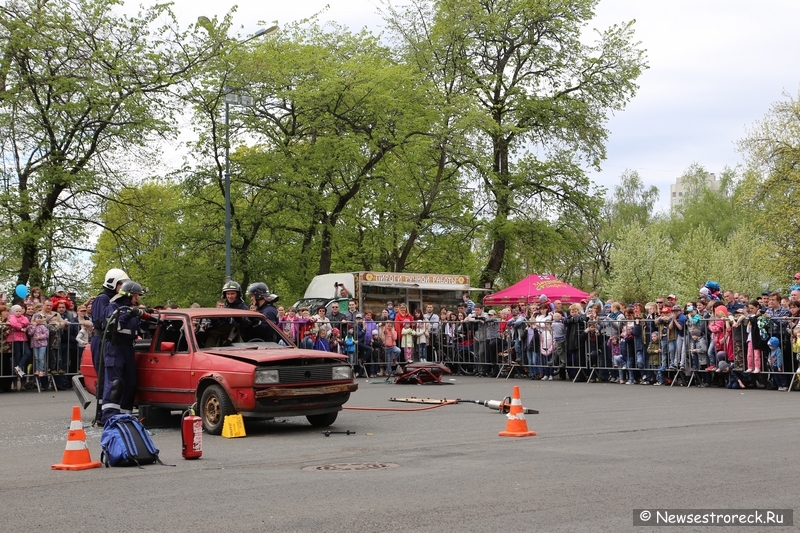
18, 323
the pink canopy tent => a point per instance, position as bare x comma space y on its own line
534, 286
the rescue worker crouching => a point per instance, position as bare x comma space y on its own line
119, 358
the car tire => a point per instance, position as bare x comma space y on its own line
214, 407
322, 421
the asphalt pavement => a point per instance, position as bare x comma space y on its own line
601, 451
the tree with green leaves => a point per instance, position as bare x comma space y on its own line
643, 265
772, 179
84, 91
720, 209
539, 96
156, 231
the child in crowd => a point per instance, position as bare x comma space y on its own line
559, 330
721, 334
618, 360
422, 329
796, 346
739, 332
698, 349
287, 324
350, 344
407, 341
627, 348
336, 343
532, 355
546, 343
376, 343
388, 337
654, 353
40, 338
775, 361
84, 335
662, 326
755, 342
321, 343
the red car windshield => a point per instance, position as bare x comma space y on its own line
228, 332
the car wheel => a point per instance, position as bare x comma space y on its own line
321, 421
214, 407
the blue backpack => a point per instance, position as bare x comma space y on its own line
125, 442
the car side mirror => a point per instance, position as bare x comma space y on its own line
167, 347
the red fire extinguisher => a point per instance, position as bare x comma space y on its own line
191, 434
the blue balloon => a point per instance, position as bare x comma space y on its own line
22, 291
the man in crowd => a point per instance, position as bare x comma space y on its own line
336, 317
778, 321
730, 302
352, 311
364, 352
794, 296
433, 319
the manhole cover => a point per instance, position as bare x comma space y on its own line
346, 467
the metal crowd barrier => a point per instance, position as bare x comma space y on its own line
471, 347
591, 358
62, 360
465, 348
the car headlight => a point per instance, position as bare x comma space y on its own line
264, 377
342, 372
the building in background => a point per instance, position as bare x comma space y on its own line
683, 189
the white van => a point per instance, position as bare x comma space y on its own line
373, 289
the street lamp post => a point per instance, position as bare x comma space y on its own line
232, 98
245, 101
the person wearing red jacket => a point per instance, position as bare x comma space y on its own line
401, 316
61, 296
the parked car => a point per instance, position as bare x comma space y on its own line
231, 361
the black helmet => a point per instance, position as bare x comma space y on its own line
258, 289
129, 288
232, 286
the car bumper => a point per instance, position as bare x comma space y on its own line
300, 401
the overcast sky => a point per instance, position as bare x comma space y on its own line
715, 68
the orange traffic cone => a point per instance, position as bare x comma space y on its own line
516, 426
76, 456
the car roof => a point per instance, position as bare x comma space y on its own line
192, 312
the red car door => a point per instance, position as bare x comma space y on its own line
164, 372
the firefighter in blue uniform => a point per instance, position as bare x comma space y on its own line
111, 285
265, 304
119, 358
264, 301
232, 294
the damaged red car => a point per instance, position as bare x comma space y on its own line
231, 361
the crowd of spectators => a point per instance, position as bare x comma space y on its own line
722, 338
41, 337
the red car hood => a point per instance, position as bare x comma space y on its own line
257, 355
